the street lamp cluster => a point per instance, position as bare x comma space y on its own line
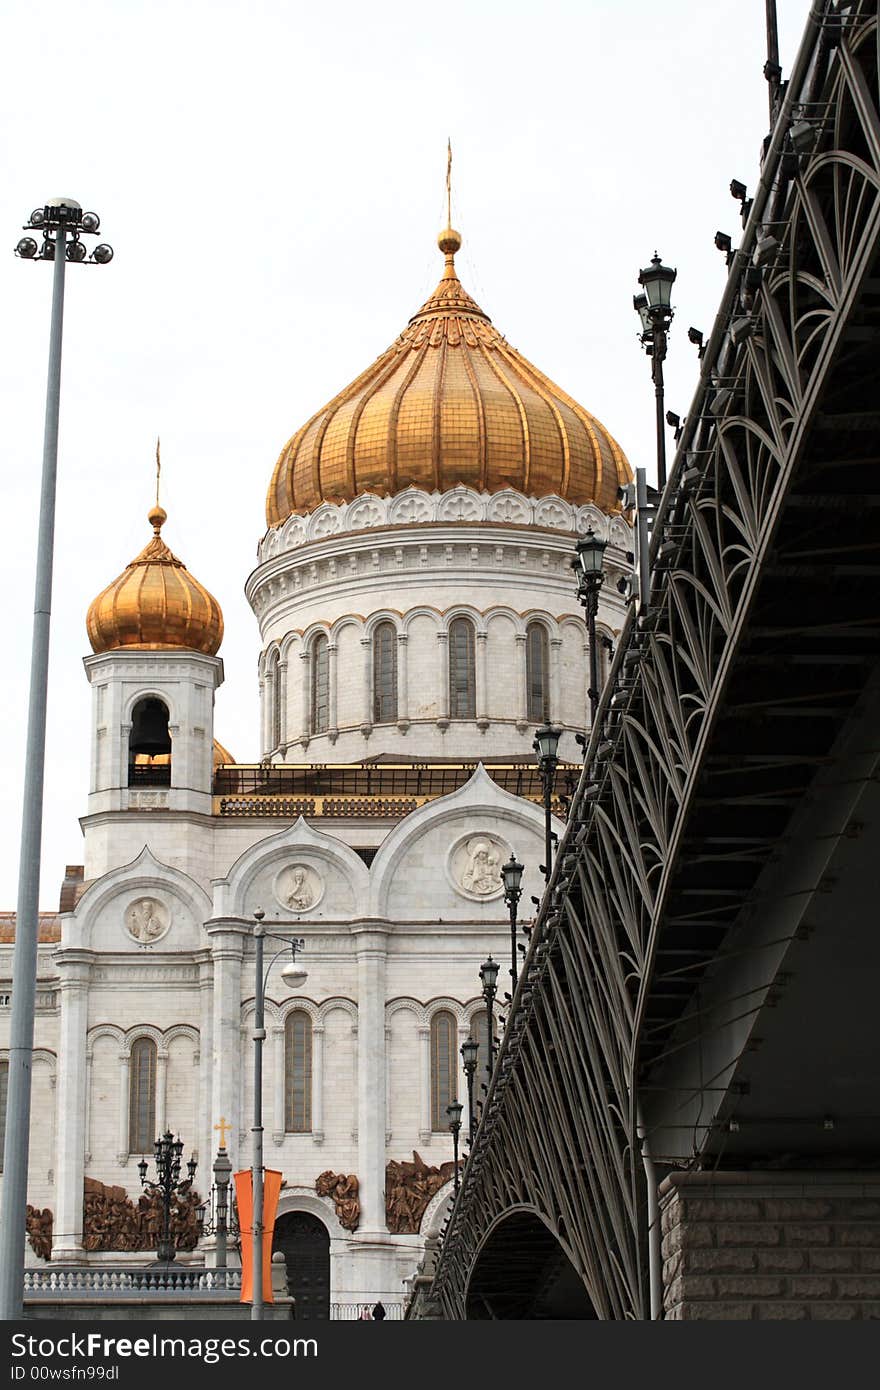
65, 218
167, 1184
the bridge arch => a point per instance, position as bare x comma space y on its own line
522, 1270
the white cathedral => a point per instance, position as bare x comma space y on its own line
418, 620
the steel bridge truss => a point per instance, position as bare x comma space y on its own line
628, 922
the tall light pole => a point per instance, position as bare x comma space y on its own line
654, 308
590, 577
469, 1050
545, 744
488, 977
293, 976
511, 874
454, 1110
168, 1151
61, 223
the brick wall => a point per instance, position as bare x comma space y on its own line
788, 1246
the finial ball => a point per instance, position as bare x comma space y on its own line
449, 241
157, 516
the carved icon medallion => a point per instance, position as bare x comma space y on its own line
299, 888
146, 920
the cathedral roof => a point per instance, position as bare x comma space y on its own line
155, 604
449, 402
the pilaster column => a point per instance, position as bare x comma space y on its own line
318, 1083
306, 705
277, 1032
388, 1081
522, 683
74, 970
161, 1090
371, 954
281, 695
264, 742
124, 1098
367, 702
402, 683
208, 1140
227, 951
481, 673
443, 667
424, 1083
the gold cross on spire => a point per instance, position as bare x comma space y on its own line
449, 182
223, 1126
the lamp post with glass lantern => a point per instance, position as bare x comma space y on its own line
655, 311
61, 223
489, 977
214, 1213
469, 1051
168, 1151
293, 974
454, 1110
511, 873
546, 743
590, 552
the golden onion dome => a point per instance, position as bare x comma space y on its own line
155, 604
449, 402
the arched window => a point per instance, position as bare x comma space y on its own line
537, 673
149, 745
462, 673
142, 1097
444, 1067
273, 688
478, 1035
320, 684
384, 673
298, 1072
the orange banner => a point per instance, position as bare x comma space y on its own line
244, 1197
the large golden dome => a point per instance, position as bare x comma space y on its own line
449, 402
155, 604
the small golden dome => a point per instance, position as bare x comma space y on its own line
449, 402
221, 756
155, 604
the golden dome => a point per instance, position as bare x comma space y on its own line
449, 402
155, 604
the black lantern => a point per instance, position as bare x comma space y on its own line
655, 312
489, 976
168, 1151
511, 874
469, 1051
454, 1110
545, 744
589, 557
657, 280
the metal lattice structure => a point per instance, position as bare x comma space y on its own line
725, 698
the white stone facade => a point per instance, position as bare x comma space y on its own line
160, 942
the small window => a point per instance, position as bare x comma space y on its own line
298, 1073
142, 1097
444, 1067
320, 685
274, 685
462, 676
537, 674
384, 673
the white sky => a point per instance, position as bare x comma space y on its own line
271, 176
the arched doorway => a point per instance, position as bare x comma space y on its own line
305, 1243
523, 1272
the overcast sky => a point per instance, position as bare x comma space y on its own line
271, 176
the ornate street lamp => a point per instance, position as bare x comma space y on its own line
168, 1151
213, 1216
489, 976
545, 744
590, 552
454, 1110
293, 974
655, 312
60, 225
469, 1050
512, 873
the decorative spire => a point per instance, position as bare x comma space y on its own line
158, 516
449, 240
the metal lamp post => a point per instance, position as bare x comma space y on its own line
454, 1110
214, 1214
655, 312
61, 224
469, 1050
545, 744
293, 975
168, 1151
489, 976
512, 873
590, 552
